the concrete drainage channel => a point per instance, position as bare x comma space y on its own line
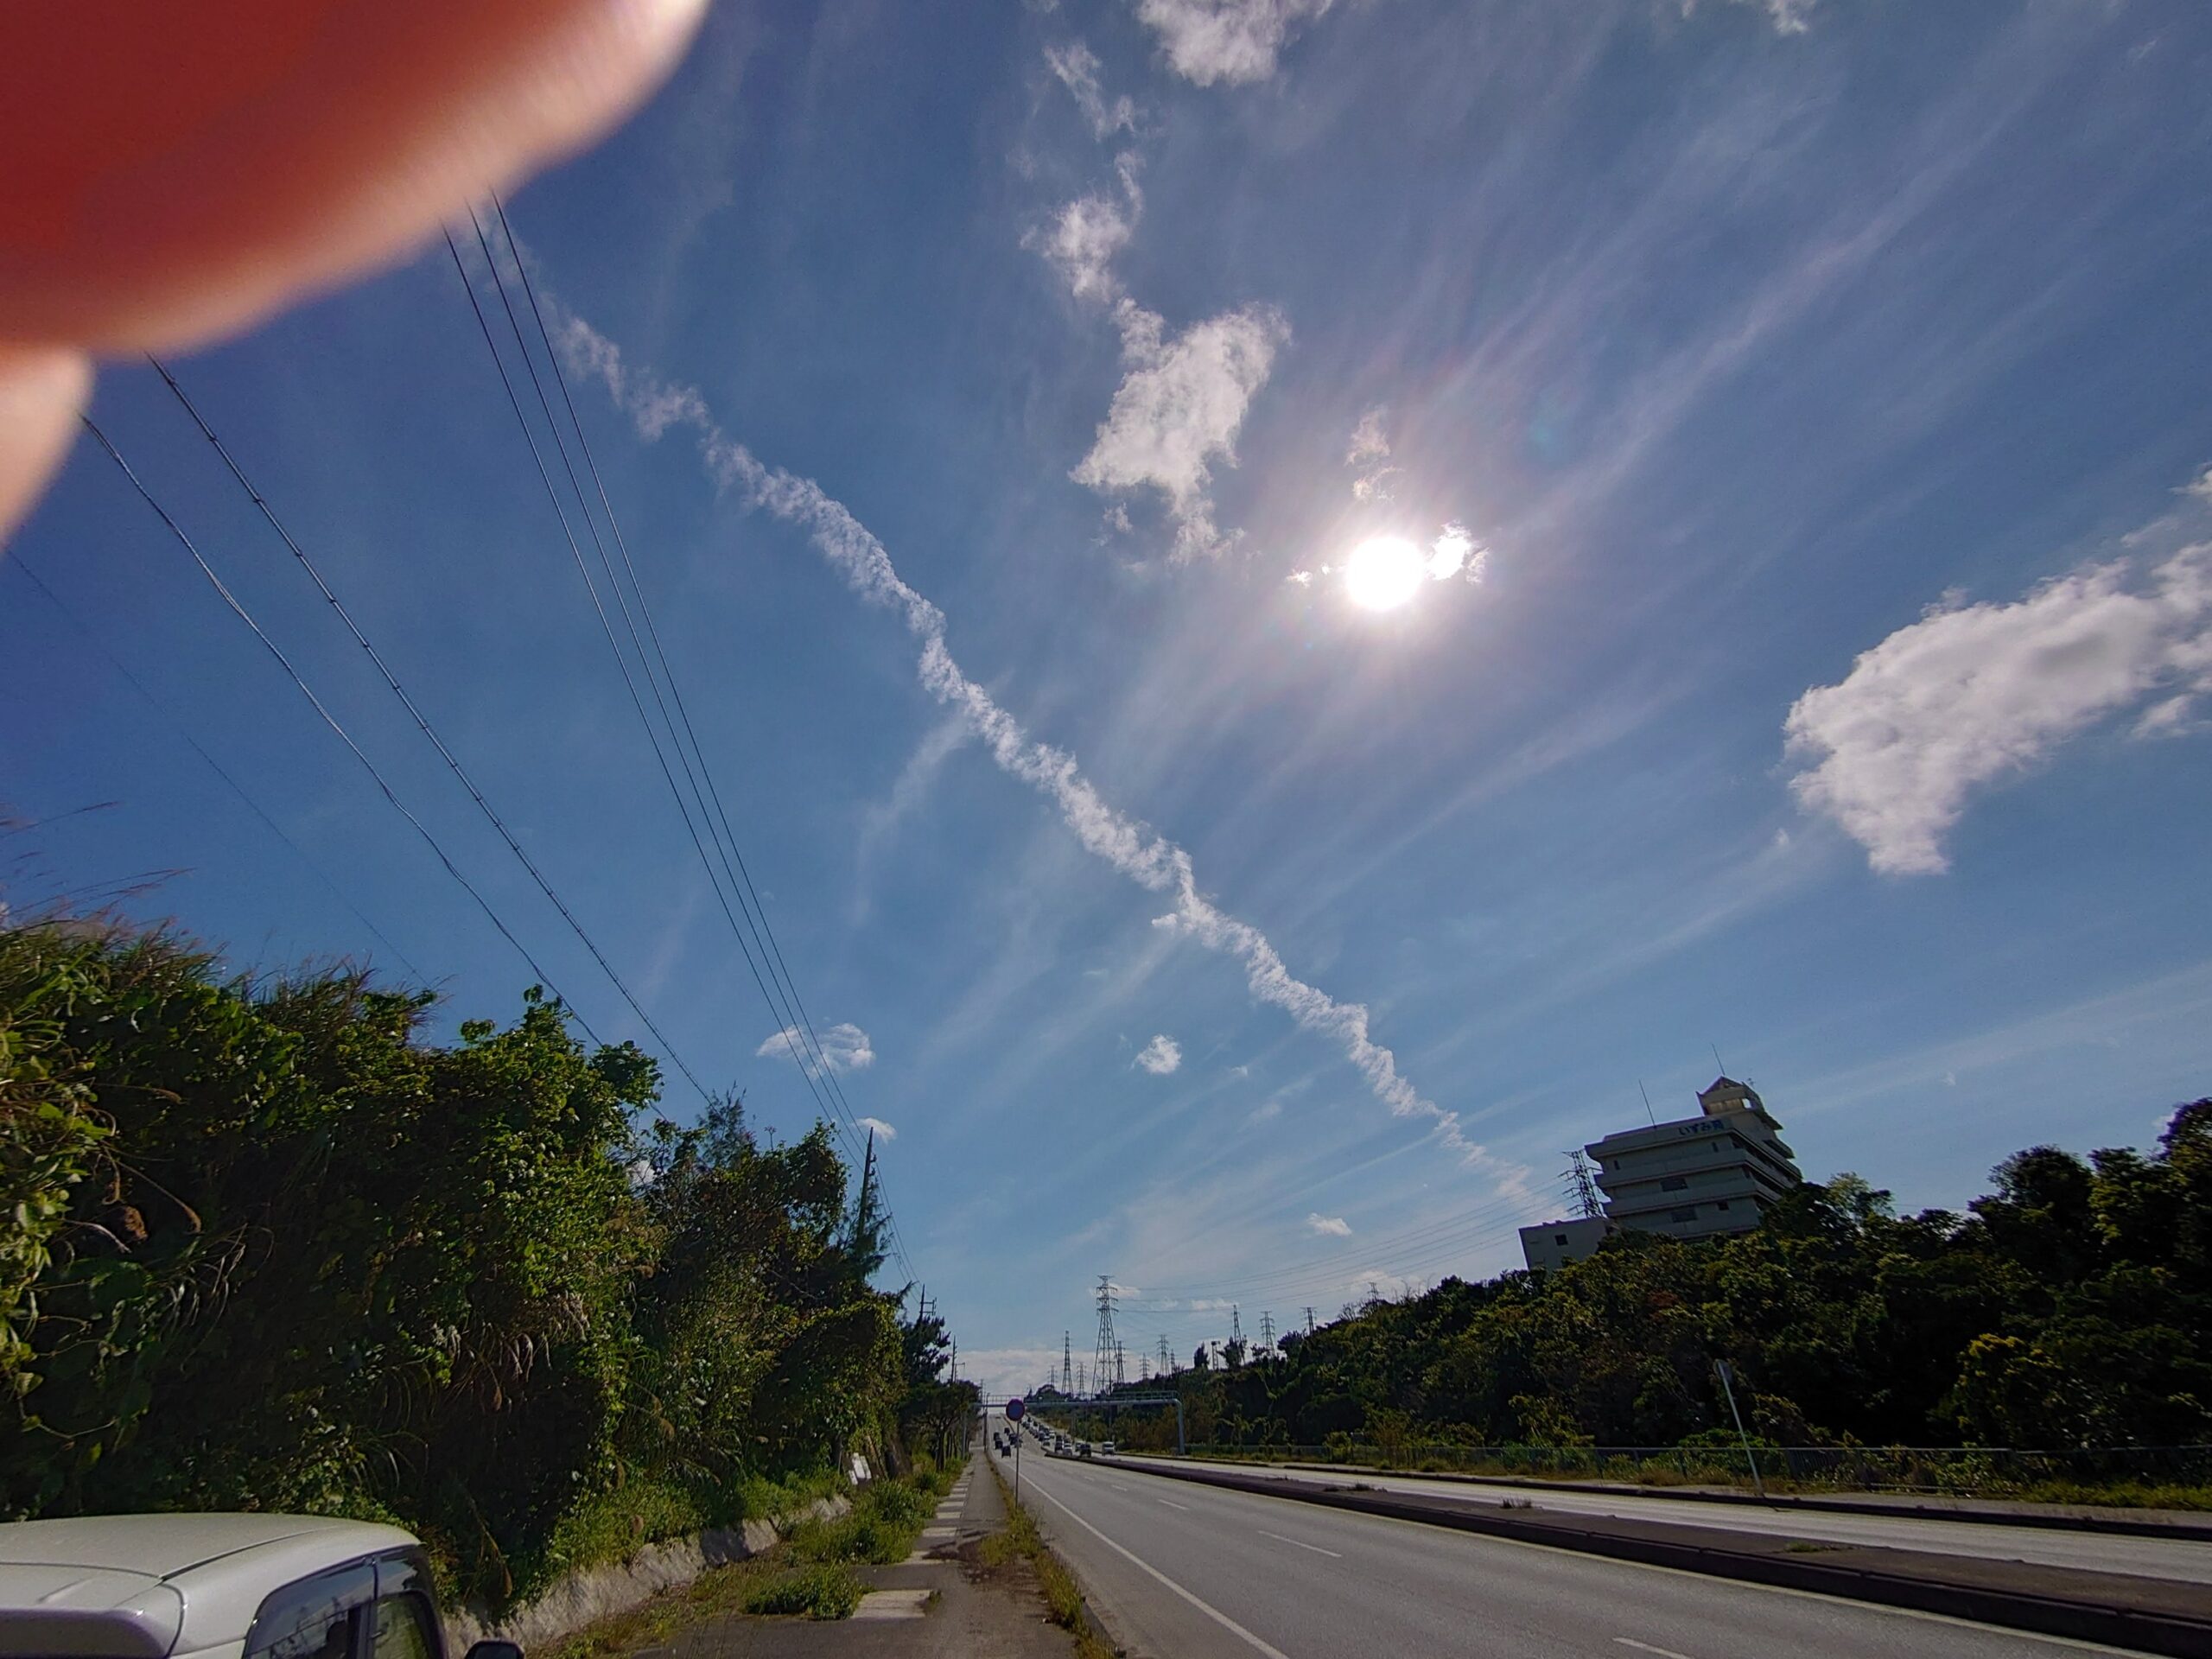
2157, 1616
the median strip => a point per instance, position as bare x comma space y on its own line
2159, 1616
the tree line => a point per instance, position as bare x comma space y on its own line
2068, 1308
264, 1245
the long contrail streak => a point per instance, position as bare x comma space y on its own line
1150, 860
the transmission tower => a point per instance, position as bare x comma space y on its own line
1235, 1328
1102, 1359
1121, 1366
1167, 1360
1581, 1189
1266, 1331
1067, 1370
1309, 1321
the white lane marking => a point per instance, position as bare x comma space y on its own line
1645, 1647
1118, 1486
1318, 1550
1172, 1504
1211, 1612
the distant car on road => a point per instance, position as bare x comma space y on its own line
218, 1586
1082, 1448
1106, 1448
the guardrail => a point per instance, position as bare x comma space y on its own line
1969, 1471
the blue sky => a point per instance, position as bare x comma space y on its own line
1792, 418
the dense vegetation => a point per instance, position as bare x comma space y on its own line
266, 1247
2070, 1308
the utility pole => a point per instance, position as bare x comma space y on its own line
1727, 1387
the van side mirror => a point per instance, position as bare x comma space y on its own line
493, 1649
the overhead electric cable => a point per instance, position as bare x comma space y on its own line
793, 1026
719, 833
329, 720
756, 913
421, 720
16, 560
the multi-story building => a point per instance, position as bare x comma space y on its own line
1691, 1177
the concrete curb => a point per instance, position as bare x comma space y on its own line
2106, 1607
2117, 1525
592, 1593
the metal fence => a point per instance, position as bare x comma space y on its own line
1968, 1471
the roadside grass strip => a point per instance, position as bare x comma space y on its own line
1063, 1595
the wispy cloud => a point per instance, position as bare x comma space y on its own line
1237, 42
1328, 1226
1970, 693
1076, 67
1081, 242
845, 1047
1149, 860
881, 1130
1160, 1056
1370, 453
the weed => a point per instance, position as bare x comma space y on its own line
817, 1589
1063, 1595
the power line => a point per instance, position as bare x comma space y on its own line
329, 720
724, 837
421, 720
770, 972
16, 558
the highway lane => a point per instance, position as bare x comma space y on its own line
2154, 1558
1177, 1571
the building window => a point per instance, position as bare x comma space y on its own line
1689, 1214
1558, 1238
1721, 1203
1674, 1184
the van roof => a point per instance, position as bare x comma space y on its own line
140, 1586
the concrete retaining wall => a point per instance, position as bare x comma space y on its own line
595, 1592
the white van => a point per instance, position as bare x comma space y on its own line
218, 1586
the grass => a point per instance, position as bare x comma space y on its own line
1063, 1595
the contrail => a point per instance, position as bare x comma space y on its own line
1148, 859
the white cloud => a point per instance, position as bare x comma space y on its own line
1149, 860
1081, 244
883, 1131
1232, 41
1453, 553
1160, 1056
1332, 1226
1381, 1281
1076, 66
1970, 693
1178, 409
1240, 1072
845, 1047
1266, 1110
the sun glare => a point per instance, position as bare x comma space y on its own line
1384, 573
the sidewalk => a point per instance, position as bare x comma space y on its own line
942, 1602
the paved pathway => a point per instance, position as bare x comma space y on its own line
940, 1603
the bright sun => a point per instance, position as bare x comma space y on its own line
1384, 573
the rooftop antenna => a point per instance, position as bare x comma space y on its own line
1717, 1061
1648, 1112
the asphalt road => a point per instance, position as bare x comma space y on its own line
2152, 1558
1178, 1571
